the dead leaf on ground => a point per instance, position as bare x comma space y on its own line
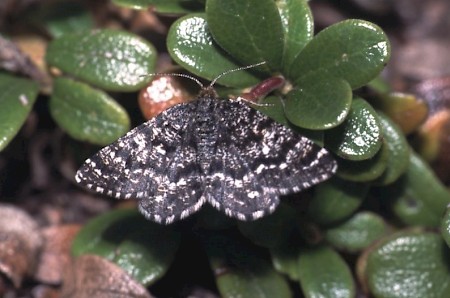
20, 242
94, 276
55, 255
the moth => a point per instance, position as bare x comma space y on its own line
217, 151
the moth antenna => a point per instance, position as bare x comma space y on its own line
233, 70
177, 75
253, 103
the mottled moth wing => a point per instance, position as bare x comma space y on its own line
264, 159
155, 163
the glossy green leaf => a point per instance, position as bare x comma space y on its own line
273, 107
65, 18
249, 39
409, 264
143, 249
319, 104
241, 271
380, 85
271, 230
418, 197
359, 137
323, 273
298, 27
335, 200
357, 233
353, 50
445, 226
87, 114
364, 170
285, 259
17, 97
111, 59
162, 6
398, 148
191, 45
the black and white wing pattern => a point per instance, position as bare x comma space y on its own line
155, 163
258, 159
218, 151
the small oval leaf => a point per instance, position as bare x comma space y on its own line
87, 114
319, 104
285, 259
357, 233
273, 107
66, 17
445, 226
398, 148
247, 38
359, 137
162, 6
191, 45
353, 50
409, 264
418, 197
406, 110
335, 200
241, 271
17, 97
363, 170
143, 249
111, 59
323, 273
298, 27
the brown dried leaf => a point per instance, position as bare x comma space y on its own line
94, 276
20, 241
44, 291
14, 60
422, 59
433, 138
55, 256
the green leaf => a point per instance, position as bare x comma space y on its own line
66, 17
323, 273
335, 200
353, 50
445, 226
379, 85
241, 271
409, 264
273, 107
87, 114
364, 170
357, 233
398, 148
298, 27
359, 137
191, 45
162, 6
271, 230
319, 104
110, 59
143, 249
285, 259
17, 97
406, 110
418, 197
247, 38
